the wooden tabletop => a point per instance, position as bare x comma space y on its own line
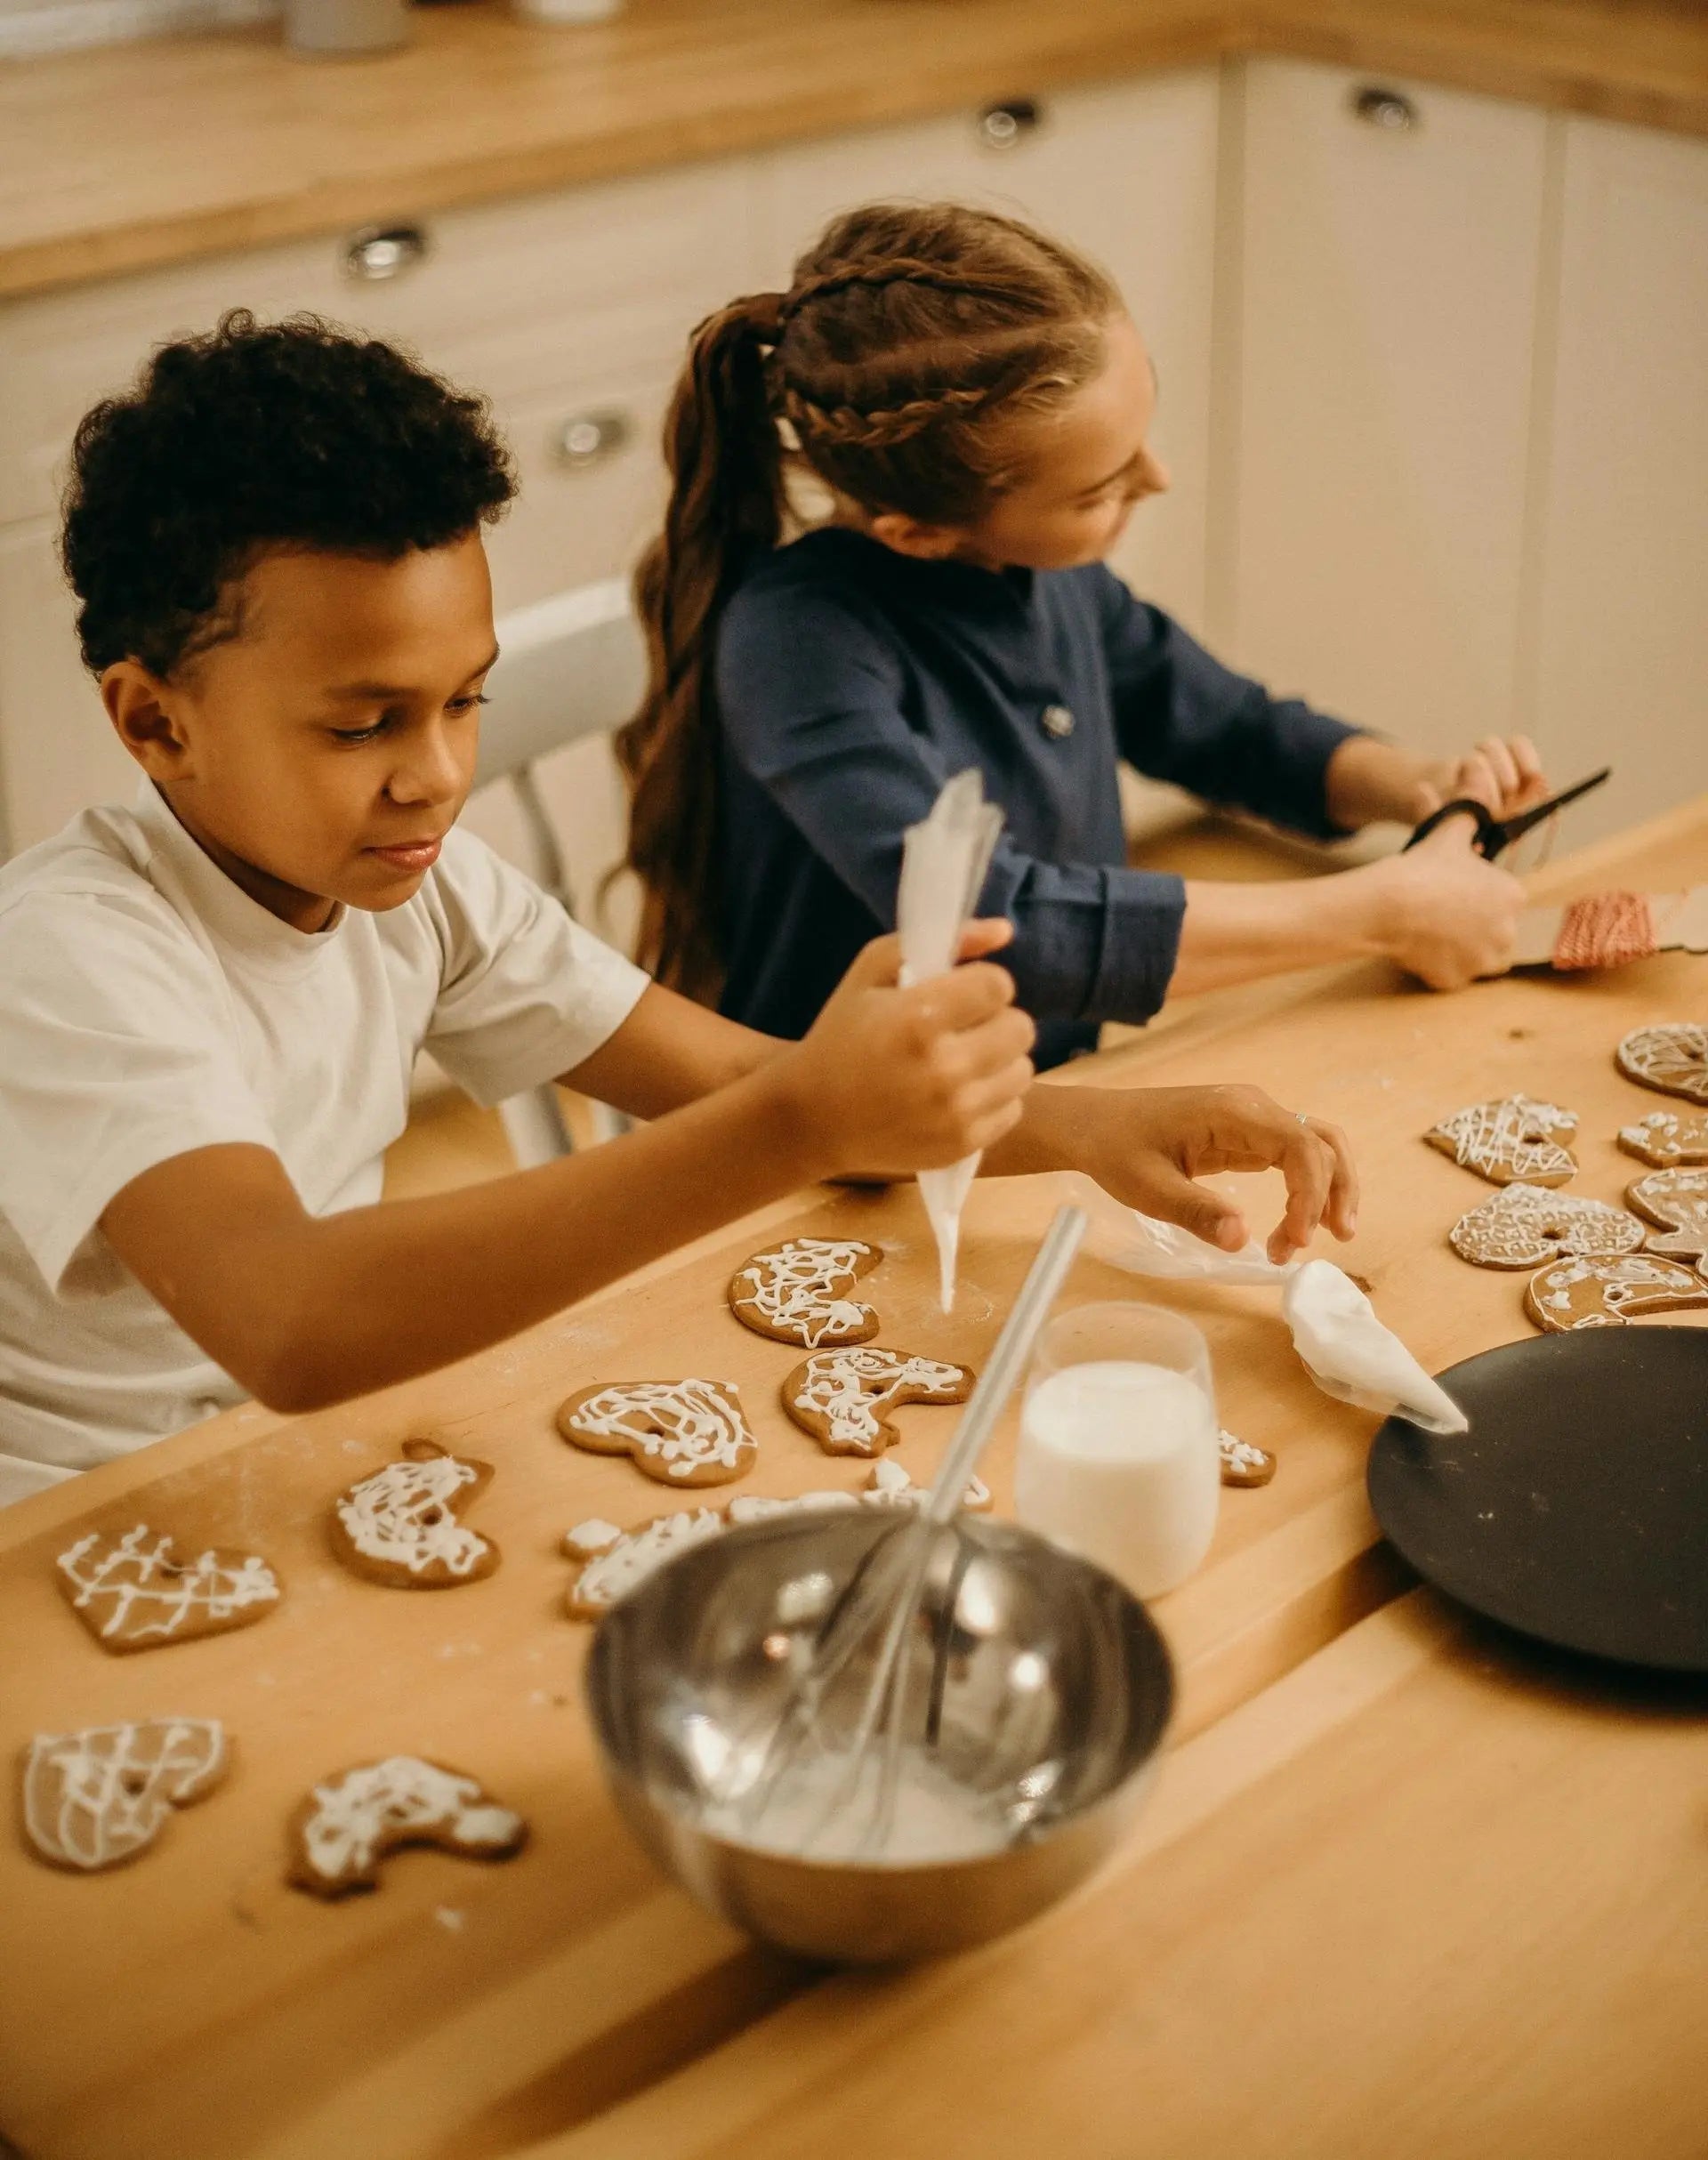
1433, 1896
93, 179
466, 2011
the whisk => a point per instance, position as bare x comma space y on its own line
870, 1622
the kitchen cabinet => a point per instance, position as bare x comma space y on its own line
1126, 171
1376, 400
1620, 559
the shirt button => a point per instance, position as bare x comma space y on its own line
1057, 721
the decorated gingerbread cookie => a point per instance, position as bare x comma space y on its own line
1575, 1294
842, 1396
679, 1431
1678, 1201
399, 1526
1524, 1225
1244, 1461
1673, 1059
350, 1822
1515, 1140
613, 1561
1666, 1140
800, 1293
132, 1593
95, 1798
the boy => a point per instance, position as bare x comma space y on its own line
211, 1003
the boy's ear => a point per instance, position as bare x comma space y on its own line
141, 709
912, 536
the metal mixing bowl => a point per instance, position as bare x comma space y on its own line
1048, 1710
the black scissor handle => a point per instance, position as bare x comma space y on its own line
1489, 838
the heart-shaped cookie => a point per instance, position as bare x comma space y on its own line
1673, 1060
131, 1593
679, 1431
799, 1291
96, 1798
1516, 1140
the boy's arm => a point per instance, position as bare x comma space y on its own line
306, 1310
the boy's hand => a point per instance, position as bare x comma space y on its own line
1503, 773
1448, 915
915, 1078
1146, 1146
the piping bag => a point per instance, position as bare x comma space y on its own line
944, 861
1342, 1344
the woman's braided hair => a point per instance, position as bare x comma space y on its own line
912, 339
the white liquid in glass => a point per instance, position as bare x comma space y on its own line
1119, 1459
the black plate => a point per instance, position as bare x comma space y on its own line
1576, 1509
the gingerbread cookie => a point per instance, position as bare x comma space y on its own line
1666, 1140
1517, 1139
1575, 1294
840, 1396
1678, 1200
350, 1822
613, 1561
132, 1594
1243, 1463
1673, 1060
679, 1432
95, 1798
1524, 1225
799, 1292
399, 1527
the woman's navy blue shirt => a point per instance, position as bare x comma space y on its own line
852, 681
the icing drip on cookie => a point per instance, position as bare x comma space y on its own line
94, 1798
680, 1431
131, 1590
402, 1516
851, 1389
799, 1291
355, 1818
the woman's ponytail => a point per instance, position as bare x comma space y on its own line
726, 501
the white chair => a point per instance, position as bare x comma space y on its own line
568, 667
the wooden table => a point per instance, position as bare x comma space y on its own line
192, 2004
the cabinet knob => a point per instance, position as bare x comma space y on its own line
590, 439
378, 252
1389, 108
999, 127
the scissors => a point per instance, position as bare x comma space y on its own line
1494, 833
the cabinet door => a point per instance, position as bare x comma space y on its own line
58, 752
1622, 645
1128, 173
1387, 269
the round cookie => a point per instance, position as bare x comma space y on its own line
1666, 1140
800, 1293
1678, 1200
1524, 1225
1243, 1463
96, 1798
1673, 1059
683, 1432
840, 1396
399, 1527
351, 1821
133, 1593
1515, 1140
1575, 1293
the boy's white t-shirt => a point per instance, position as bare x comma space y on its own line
148, 1006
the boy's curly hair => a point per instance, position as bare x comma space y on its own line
294, 434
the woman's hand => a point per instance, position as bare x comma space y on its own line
1369, 780
1147, 1147
1443, 912
911, 1079
1503, 773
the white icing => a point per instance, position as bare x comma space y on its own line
378, 1804
151, 1594
1238, 1455
1679, 1199
589, 1537
625, 1560
1524, 1225
402, 1516
851, 1388
1673, 1059
890, 1485
1663, 1137
1516, 1133
1631, 1283
95, 1797
684, 1425
760, 1507
800, 1289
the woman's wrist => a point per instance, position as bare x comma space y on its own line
1369, 781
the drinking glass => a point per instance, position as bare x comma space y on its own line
1119, 1455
